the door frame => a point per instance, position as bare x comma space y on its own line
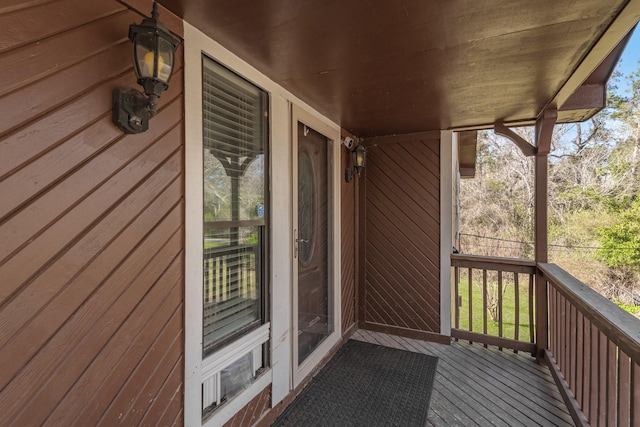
298, 114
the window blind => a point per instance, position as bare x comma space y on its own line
234, 132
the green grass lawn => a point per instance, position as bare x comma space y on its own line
508, 308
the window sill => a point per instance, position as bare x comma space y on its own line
225, 356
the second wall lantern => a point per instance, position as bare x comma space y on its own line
359, 157
154, 60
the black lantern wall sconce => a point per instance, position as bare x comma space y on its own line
153, 56
359, 157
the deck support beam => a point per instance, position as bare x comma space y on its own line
544, 132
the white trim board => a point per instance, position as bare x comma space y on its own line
446, 226
299, 372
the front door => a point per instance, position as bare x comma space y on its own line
314, 319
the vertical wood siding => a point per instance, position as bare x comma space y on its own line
348, 219
91, 225
402, 237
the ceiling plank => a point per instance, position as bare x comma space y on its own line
409, 66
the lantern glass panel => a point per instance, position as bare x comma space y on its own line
144, 52
358, 158
165, 60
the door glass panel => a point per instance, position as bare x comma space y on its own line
306, 207
315, 314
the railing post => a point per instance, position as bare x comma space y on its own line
542, 316
544, 131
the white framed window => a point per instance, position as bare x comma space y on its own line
234, 170
235, 167
226, 243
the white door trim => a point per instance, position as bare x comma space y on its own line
298, 114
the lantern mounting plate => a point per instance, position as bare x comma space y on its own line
130, 110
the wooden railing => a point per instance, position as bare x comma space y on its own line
231, 293
591, 346
593, 352
228, 272
494, 301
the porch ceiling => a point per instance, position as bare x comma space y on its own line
401, 66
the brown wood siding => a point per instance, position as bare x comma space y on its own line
91, 225
253, 411
402, 236
348, 217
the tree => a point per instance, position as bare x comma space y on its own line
594, 203
499, 201
620, 242
626, 110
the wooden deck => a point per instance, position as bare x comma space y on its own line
477, 386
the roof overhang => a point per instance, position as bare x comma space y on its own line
407, 66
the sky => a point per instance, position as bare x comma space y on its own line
629, 61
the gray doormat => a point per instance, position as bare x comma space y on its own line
366, 385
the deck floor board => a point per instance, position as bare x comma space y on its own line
482, 386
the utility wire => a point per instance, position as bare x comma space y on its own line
621, 248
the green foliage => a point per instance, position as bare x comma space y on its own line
632, 309
620, 242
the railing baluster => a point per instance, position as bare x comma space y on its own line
552, 321
602, 379
516, 303
531, 305
563, 332
220, 278
568, 350
500, 305
484, 302
558, 317
573, 345
593, 392
635, 394
470, 281
206, 280
205, 266
580, 357
586, 384
612, 390
212, 280
624, 389
456, 284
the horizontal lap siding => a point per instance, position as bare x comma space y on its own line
402, 236
91, 225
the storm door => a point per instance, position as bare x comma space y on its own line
314, 317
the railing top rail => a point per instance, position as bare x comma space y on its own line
620, 327
230, 249
234, 224
495, 260
493, 263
